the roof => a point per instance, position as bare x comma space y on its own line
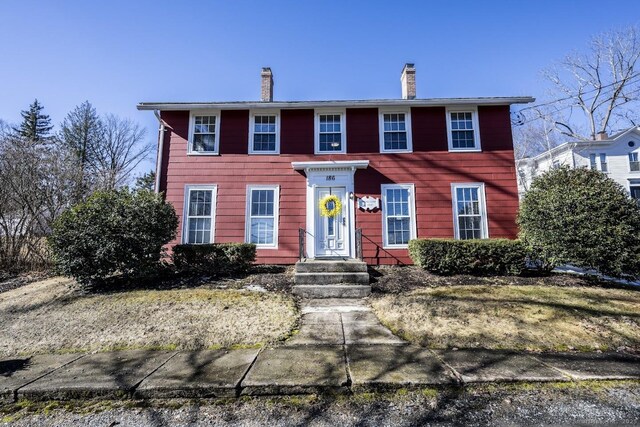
243, 105
583, 143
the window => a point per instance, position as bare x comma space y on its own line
330, 132
262, 216
398, 209
200, 205
555, 164
463, 130
634, 191
204, 134
603, 163
263, 135
395, 132
595, 158
469, 212
634, 165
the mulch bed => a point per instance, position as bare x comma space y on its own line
399, 279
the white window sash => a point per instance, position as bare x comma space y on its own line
275, 216
252, 132
407, 124
192, 120
412, 214
482, 205
187, 217
343, 130
476, 129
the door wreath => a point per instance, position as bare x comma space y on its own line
326, 204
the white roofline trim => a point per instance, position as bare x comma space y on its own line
244, 105
331, 164
583, 144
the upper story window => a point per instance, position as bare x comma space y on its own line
469, 211
600, 160
395, 132
204, 133
264, 135
634, 164
199, 214
330, 132
463, 130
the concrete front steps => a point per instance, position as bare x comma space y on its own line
331, 279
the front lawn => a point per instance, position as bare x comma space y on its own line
533, 317
55, 316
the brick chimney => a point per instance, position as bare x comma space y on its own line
601, 136
408, 80
266, 93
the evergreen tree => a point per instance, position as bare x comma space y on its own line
146, 181
81, 134
35, 125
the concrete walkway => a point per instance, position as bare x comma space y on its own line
341, 347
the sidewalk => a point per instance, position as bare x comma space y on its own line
341, 347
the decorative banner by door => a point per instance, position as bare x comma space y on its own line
369, 203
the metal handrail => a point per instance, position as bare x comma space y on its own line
359, 254
301, 239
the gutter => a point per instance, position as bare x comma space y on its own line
243, 105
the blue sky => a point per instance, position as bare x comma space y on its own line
118, 53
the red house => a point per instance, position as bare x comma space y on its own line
395, 169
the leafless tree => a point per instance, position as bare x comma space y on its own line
603, 84
121, 150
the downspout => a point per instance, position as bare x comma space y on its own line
161, 131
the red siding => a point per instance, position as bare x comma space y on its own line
495, 127
234, 131
429, 129
362, 130
431, 168
296, 134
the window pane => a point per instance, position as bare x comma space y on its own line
199, 230
398, 231
204, 142
262, 231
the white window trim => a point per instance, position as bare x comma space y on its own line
252, 121
185, 210
192, 115
483, 207
412, 214
343, 130
407, 117
476, 128
276, 214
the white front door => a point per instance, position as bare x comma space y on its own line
332, 233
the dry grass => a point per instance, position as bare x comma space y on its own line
515, 317
53, 316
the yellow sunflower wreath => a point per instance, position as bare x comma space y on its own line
324, 203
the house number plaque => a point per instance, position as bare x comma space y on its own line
368, 203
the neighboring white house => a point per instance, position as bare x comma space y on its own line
618, 156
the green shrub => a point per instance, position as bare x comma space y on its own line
477, 257
581, 217
117, 232
215, 259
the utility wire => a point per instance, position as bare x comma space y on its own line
632, 77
